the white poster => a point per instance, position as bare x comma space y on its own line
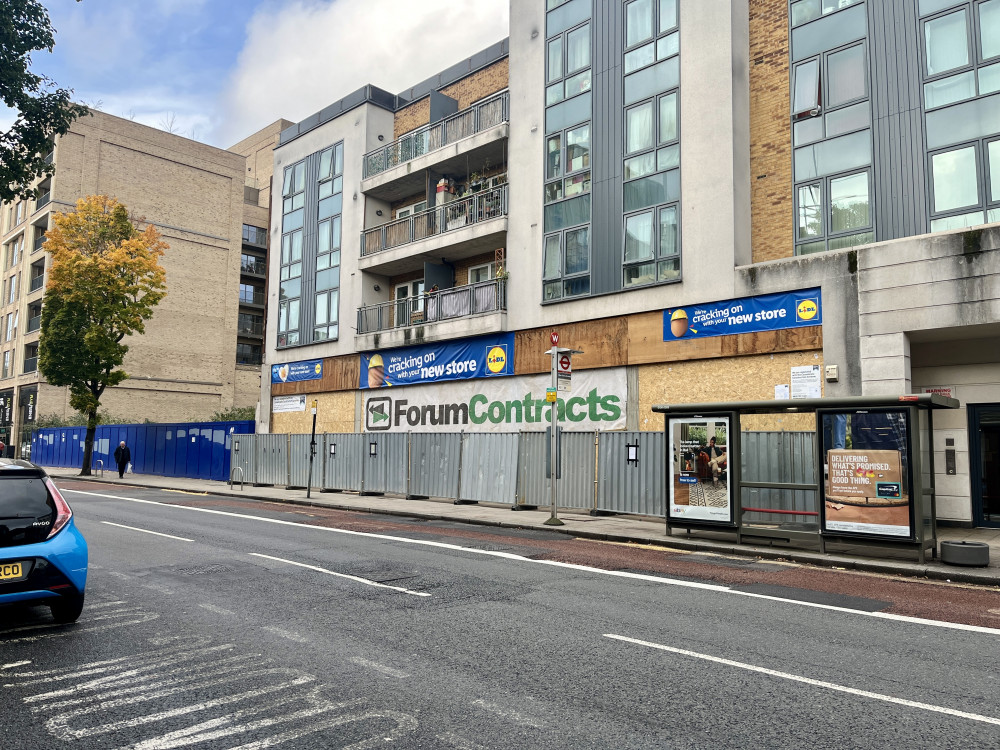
513, 404
699, 470
807, 382
281, 404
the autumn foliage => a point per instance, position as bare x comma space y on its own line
104, 282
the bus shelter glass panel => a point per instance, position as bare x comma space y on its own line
699, 470
866, 473
779, 450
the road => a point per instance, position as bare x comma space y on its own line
216, 623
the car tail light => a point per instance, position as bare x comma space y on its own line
63, 512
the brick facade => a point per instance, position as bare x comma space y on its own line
772, 223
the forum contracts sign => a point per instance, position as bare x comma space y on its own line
512, 404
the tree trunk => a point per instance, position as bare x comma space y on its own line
88, 445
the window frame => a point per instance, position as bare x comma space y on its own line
826, 210
565, 74
655, 243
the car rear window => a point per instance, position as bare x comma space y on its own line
24, 497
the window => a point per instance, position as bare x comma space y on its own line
652, 247
409, 302
804, 11
288, 322
833, 213
566, 264
327, 310
481, 273
955, 179
416, 208
6, 366
946, 43
568, 65
250, 325
967, 38
251, 294
965, 183
13, 289
293, 195
10, 327
248, 354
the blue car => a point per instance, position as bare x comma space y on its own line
43, 557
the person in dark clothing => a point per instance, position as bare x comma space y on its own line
122, 457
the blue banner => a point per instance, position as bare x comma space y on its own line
481, 357
766, 312
289, 372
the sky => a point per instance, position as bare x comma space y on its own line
218, 70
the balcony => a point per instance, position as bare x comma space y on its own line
36, 283
467, 227
466, 141
39, 241
34, 324
255, 298
49, 157
393, 322
250, 328
43, 200
30, 365
254, 267
255, 236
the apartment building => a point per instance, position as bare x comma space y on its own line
201, 350
714, 200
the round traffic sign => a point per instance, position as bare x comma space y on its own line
564, 363
554, 338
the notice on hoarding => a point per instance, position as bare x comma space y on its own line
281, 404
865, 493
596, 401
699, 470
807, 382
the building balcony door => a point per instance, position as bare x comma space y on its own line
984, 463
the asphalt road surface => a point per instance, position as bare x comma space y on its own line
214, 623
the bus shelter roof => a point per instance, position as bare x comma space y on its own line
806, 405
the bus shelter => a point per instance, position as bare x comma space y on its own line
805, 472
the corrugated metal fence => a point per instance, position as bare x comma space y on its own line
198, 450
616, 472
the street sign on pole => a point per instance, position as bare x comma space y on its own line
564, 371
554, 338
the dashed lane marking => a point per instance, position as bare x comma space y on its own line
147, 531
342, 575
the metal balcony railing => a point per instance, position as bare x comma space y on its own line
257, 298
432, 307
39, 241
36, 283
256, 267
255, 236
34, 323
49, 157
30, 364
477, 207
43, 199
482, 116
250, 328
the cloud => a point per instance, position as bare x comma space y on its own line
300, 56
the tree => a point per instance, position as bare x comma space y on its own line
104, 282
42, 113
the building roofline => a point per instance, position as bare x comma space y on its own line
370, 94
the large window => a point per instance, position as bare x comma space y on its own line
961, 65
651, 169
834, 213
290, 284
326, 320
566, 263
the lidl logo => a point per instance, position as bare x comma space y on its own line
319, 368
377, 413
496, 360
806, 309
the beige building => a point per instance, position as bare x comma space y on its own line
201, 350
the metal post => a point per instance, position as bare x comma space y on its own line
553, 520
312, 452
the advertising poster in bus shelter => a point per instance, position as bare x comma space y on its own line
867, 488
699, 470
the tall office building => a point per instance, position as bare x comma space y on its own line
714, 200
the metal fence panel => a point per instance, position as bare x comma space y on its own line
272, 463
778, 457
343, 461
385, 463
576, 483
243, 454
434, 468
489, 467
298, 463
396, 451
631, 487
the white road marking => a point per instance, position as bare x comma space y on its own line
119, 619
381, 668
15, 664
343, 575
461, 743
286, 634
217, 610
507, 713
810, 681
147, 531
570, 566
157, 587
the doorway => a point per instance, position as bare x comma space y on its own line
984, 463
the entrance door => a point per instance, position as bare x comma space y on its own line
984, 463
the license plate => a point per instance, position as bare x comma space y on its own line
11, 571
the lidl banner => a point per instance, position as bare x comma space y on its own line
595, 402
311, 369
766, 312
480, 357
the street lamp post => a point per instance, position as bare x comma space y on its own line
312, 451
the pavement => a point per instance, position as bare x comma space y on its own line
613, 528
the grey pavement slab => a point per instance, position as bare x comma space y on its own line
617, 528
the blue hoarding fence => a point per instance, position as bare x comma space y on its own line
197, 450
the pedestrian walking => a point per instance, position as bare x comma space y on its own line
122, 457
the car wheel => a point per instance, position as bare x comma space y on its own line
67, 609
